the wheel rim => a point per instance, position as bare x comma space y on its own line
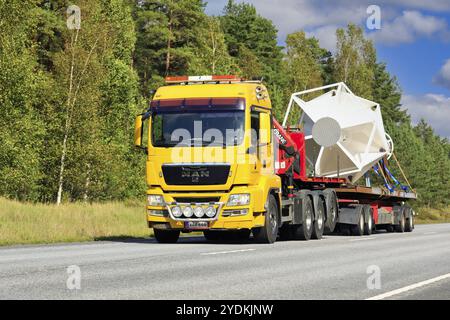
333, 214
369, 223
320, 220
273, 220
308, 219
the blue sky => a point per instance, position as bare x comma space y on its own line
414, 41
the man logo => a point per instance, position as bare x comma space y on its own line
194, 173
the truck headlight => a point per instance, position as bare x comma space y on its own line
155, 200
210, 212
176, 211
239, 199
199, 212
187, 211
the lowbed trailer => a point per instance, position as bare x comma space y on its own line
219, 162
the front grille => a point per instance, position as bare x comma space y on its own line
196, 199
196, 174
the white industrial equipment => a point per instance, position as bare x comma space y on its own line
344, 133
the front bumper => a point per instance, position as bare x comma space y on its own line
226, 218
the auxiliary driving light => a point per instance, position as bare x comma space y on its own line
198, 212
210, 212
176, 212
187, 212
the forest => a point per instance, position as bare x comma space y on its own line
68, 96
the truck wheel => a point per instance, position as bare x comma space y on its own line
358, 229
332, 212
319, 223
368, 225
389, 228
304, 231
268, 233
166, 236
400, 227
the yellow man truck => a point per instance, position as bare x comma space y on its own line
218, 162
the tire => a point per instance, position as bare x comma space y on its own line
304, 231
358, 229
332, 212
400, 227
268, 233
319, 222
368, 225
389, 228
166, 236
410, 221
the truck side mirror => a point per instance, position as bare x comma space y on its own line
138, 131
265, 130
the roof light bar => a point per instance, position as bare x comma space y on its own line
183, 79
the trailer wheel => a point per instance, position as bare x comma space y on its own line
304, 231
319, 223
400, 227
166, 236
332, 211
358, 229
268, 233
368, 225
410, 222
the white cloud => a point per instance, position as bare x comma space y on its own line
434, 108
317, 17
443, 77
408, 27
326, 36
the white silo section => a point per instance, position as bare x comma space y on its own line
347, 135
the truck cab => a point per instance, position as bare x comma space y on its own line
210, 159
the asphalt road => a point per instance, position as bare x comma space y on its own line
337, 267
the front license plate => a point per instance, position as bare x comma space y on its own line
196, 225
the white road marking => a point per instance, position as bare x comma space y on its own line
362, 239
225, 252
410, 287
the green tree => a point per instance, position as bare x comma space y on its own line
21, 80
252, 39
302, 67
210, 55
355, 60
166, 35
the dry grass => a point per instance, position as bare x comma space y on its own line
428, 215
24, 223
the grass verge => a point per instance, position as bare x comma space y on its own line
429, 215
26, 223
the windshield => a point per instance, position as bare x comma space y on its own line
181, 126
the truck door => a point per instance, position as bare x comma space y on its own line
261, 125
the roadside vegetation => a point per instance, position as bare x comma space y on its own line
27, 223
430, 215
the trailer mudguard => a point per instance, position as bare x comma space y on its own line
350, 214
